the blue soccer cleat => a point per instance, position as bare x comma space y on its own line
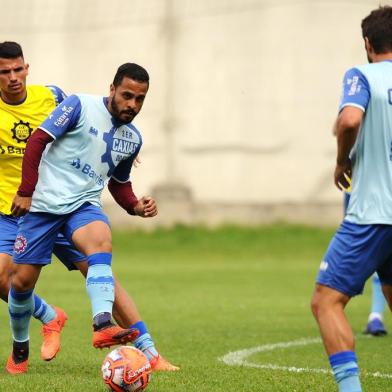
375, 327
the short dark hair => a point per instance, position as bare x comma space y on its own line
10, 50
131, 71
377, 27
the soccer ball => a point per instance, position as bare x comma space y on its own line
126, 369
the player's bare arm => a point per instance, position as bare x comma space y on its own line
347, 127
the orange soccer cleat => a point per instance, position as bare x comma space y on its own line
51, 333
113, 335
160, 364
16, 368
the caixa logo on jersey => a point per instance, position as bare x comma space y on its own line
121, 143
63, 118
20, 244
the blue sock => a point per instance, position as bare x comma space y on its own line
100, 283
346, 372
20, 308
43, 311
378, 299
144, 342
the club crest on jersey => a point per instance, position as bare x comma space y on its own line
20, 244
21, 131
121, 143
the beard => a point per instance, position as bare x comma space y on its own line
122, 116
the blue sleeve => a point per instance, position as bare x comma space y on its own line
63, 118
356, 90
59, 95
123, 170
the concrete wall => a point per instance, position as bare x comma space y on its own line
237, 123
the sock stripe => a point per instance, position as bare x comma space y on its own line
342, 357
100, 279
19, 315
20, 296
140, 326
39, 313
99, 258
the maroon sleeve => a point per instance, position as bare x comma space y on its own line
123, 194
31, 160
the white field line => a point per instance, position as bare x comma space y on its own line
239, 358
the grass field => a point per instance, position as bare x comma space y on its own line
205, 293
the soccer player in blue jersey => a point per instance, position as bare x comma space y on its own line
22, 109
92, 141
375, 325
363, 243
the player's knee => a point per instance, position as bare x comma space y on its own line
103, 242
99, 246
21, 282
105, 246
317, 302
315, 305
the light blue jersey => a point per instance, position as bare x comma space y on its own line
89, 148
369, 87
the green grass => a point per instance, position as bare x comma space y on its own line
204, 293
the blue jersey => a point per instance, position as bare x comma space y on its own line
369, 87
89, 148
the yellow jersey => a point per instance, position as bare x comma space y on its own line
17, 123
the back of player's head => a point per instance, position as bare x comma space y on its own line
377, 27
132, 71
10, 50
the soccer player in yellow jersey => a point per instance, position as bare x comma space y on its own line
22, 109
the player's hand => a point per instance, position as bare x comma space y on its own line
137, 161
146, 207
20, 205
342, 176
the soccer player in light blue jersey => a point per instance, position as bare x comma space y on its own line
91, 141
28, 106
375, 325
363, 243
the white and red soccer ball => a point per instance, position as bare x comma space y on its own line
126, 369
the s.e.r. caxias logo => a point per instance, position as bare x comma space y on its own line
120, 143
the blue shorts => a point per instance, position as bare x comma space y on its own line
63, 249
38, 233
354, 254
